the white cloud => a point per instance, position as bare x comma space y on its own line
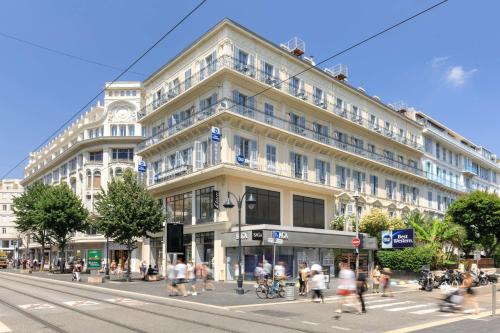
439, 61
457, 76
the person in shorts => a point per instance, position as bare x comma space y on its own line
191, 275
180, 275
346, 287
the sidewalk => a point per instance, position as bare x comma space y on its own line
223, 295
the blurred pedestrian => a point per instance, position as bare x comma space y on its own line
375, 278
361, 288
205, 275
77, 269
172, 285
385, 282
303, 278
317, 286
259, 273
191, 275
268, 268
180, 276
346, 287
469, 293
143, 269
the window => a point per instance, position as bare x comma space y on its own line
429, 199
343, 175
123, 154
297, 123
4, 207
271, 158
339, 103
179, 208
322, 172
390, 189
403, 191
72, 164
318, 97
245, 104
321, 132
374, 185
55, 175
414, 195
95, 156
373, 122
388, 128
450, 157
89, 179
438, 150
114, 130
267, 207
247, 149
356, 113
187, 79
401, 159
299, 165
97, 179
64, 170
118, 172
359, 181
203, 204
389, 154
371, 148
412, 163
131, 130
308, 212
123, 130
439, 201
4, 230
269, 112
202, 154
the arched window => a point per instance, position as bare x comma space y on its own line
97, 179
118, 172
89, 179
111, 173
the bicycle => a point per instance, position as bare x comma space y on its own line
269, 289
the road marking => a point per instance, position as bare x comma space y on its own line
387, 305
4, 328
342, 328
407, 307
421, 312
239, 311
126, 301
36, 306
379, 301
473, 310
309, 322
80, 303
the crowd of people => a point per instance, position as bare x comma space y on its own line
182, 278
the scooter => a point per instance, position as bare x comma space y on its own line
452, 300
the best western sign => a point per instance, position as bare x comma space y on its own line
397, 239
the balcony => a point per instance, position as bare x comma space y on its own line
469, 171
173, 173
448, 183
272, 80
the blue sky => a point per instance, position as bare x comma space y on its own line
444, 63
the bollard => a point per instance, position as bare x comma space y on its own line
493, 298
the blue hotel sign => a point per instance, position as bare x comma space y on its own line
397, 239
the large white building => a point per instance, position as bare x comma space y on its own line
303, 142
9, 236
96, 147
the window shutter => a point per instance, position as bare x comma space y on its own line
290, 85
197, 153
251, 64
237, 149
277, 77
236, 100
251, 106
214, 61
202, 69
317, 166
301, 86
170, 89
363, 180
262, 71
292, 163
253, 154
348, 178
304, 167
177, 159
302, 122
327, 173
189, 157
202, 105
236, 56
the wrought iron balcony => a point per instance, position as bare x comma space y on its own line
275, 81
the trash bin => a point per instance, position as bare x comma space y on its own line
290, 291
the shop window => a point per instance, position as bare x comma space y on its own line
267, 207
204, 207
179, 208
97, 179
308, 212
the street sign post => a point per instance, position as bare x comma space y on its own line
356, 242
216, 134
141, 167
94, 259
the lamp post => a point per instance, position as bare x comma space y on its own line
106, 274
250, 201
356, 200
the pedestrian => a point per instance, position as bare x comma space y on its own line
385, 282
172, 283
346, 287
191, 275
375, 278
143, 269
180, 276
361, 288
205, 275
113, 267
317, 286
469, 294
259, 272
76, 271
268, 268
303, 278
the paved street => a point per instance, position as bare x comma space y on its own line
39, 304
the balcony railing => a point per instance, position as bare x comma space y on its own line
275, 81
169, 174
448, 183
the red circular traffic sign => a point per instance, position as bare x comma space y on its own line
356, 242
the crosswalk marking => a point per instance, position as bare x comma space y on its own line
387, 305
127, 301
379, 301
407, 308
421, 312
36, 306
4, 328
80, 303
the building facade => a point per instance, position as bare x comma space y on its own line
98, 146
9, 236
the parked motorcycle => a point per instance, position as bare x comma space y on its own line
426, 280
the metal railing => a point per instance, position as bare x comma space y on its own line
271, 79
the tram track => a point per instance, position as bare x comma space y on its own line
164, 315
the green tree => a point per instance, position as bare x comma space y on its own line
341, 222
126, 211
479, 213
64, 212
377, 221
30, 219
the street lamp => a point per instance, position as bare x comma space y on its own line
356, 200
250, 201
106, 274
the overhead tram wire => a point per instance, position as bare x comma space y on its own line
353, 46
62, 53
184, 18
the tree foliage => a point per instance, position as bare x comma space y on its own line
126, 211
408, 259
342, 223
377, 221
479, 213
